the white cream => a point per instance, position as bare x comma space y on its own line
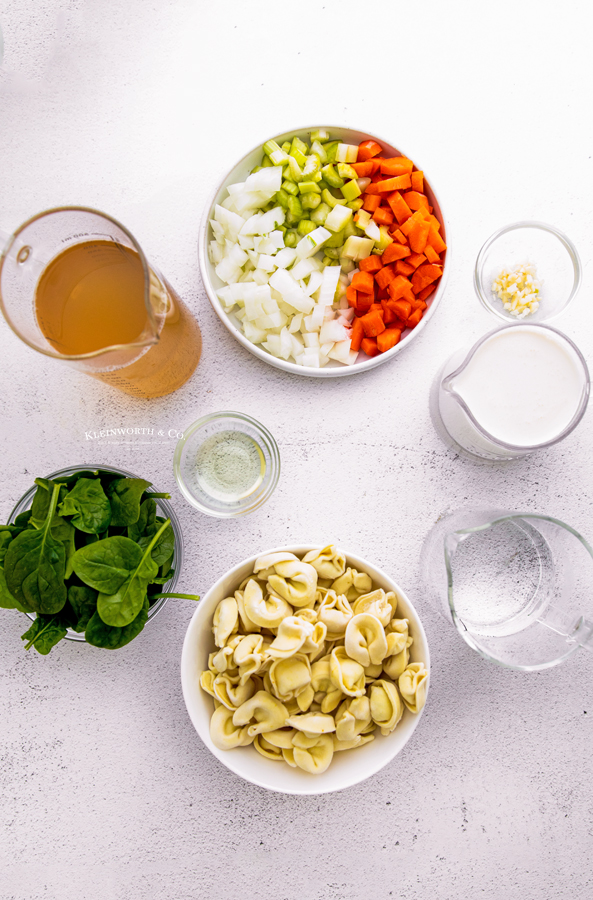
523, 385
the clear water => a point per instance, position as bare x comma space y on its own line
229, 466
501, 578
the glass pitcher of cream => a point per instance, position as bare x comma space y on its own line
75, 285
518, 389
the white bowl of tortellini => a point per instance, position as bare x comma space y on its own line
305, 669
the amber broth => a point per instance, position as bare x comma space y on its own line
92, 296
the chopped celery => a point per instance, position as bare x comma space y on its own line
332, 252
286, 147
306, 226
336, 240
363, 219
331, 176
276, 154
281, 198
351, 190
320, 134
331, 150
306, 187
329, 198
338, 217
290, 187
355, 204
266, 161
323, 184
294, 206
348, 265
257, 169
350, 228
311, 200
320, 214
290, 239
347, 153
294, 169
318, 148
346, 171
312, 165
299, 150
357, 248
315, 176
384, 241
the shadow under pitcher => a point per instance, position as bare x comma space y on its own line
76, 286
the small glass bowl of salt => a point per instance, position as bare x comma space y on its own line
226, 464
527, 271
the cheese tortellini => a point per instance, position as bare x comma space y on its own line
309, 659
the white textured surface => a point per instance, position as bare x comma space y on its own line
138, 108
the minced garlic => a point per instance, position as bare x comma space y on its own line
518, 290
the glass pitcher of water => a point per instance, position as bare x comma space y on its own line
517, 586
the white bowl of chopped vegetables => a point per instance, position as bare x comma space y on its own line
294, 251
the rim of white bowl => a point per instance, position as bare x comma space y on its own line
254, 349
190, 685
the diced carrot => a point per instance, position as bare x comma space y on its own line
363, 303
416, 259
418, 181
397, 165
388, 315
363, 282
368, 149
382, 294
377, 307
425, 275
400, 287
418, 304
385, 185
371, 263
399, 207
385, 276
383, 216
356, 335
373, 324
431, 254
363, 169
403, 267
394, 251
388, 339
423, 295
408, 226
418, 235
414, 319
402, 308
376, 163
416, 200
397, 234
351, 296
436, 241
371, 202
369, 346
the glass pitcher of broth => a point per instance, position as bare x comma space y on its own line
75, 285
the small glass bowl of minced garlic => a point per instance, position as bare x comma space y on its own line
527, 271
226, 464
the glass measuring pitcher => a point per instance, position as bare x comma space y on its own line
519, 389
517, 586
76, 286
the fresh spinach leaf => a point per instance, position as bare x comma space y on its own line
125, 495
146, 523
120, 608
163, 548
5, 539
99, 634
22, 520
42, 499
166, 572
146, 527
7, 601
105, 565
44, 633
83, 601
88, 505
35, 566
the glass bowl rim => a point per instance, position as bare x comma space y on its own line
269, 441
165, 504
515, 226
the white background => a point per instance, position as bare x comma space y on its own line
138, 108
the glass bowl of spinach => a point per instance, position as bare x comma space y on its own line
90, 553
